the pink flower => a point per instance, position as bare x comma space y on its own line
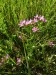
36, 16
44, 20
34, 29
28, 22
18, 60
35, 20
22, 23
40, 18
51, 44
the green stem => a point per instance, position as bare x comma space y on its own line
12, 60
26, 60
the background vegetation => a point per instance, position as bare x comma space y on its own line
42, 57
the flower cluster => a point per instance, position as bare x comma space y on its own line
41, 18
35, 20
27, 22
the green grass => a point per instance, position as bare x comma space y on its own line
11, 13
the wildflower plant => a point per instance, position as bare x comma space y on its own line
27, 42
29, 30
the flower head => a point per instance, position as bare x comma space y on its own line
36, 16
28, 22
51, 44
40, 18
35, 20
44, 20
22, 23
18, 60
34, 29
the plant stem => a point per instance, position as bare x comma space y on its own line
26, 60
